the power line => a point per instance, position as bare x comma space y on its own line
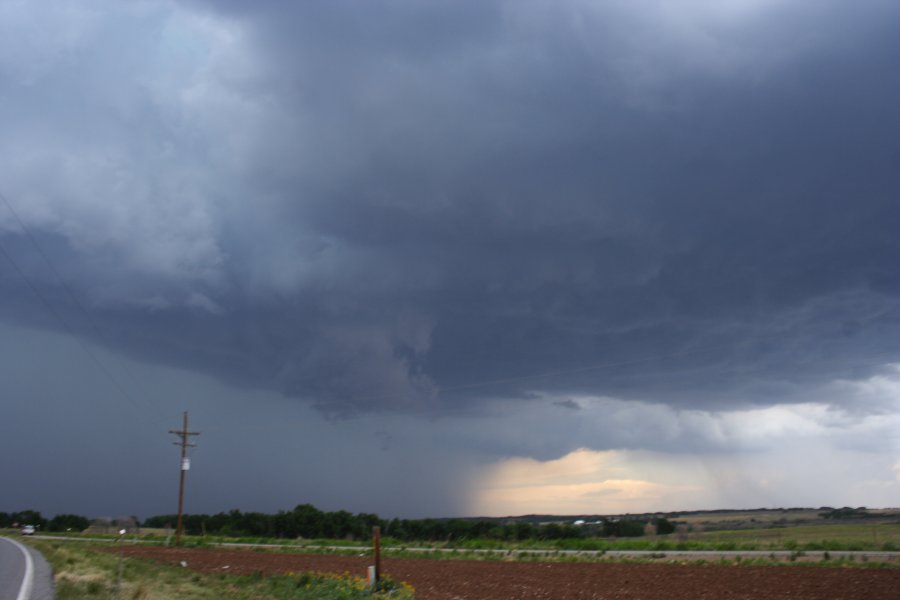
99, 364
74, 298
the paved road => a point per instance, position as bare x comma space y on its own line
24, 574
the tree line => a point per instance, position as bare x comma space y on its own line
33, 517
307, 521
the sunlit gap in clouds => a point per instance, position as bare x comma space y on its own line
809, 454
582, 482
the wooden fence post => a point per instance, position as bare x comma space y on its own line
376, 544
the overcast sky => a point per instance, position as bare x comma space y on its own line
450, 258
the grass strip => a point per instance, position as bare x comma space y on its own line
84, 572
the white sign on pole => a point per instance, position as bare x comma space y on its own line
185, 464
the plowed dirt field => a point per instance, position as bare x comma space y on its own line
492, 580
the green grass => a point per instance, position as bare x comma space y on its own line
847, 537
857, 536
83, 572
821, 536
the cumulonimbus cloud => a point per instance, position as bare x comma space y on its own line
696, 209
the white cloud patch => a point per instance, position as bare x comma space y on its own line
549, 428
578, 483
810, 473
101, 152
621, 456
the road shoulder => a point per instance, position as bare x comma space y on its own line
41, 587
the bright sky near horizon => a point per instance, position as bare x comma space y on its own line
450, 258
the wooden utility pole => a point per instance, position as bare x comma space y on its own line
185, 465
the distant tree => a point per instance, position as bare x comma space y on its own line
309, 521
523, 530
66, 522
395, 529
557, 531
338, 524
623, 528
437, 530
159, 521
366, 521
846, 513
29, 517
459, 529
664, 526
399, 529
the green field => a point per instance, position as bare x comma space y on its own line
81, 571
791, 529
857, 536
835, 535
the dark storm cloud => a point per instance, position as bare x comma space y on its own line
413, 207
